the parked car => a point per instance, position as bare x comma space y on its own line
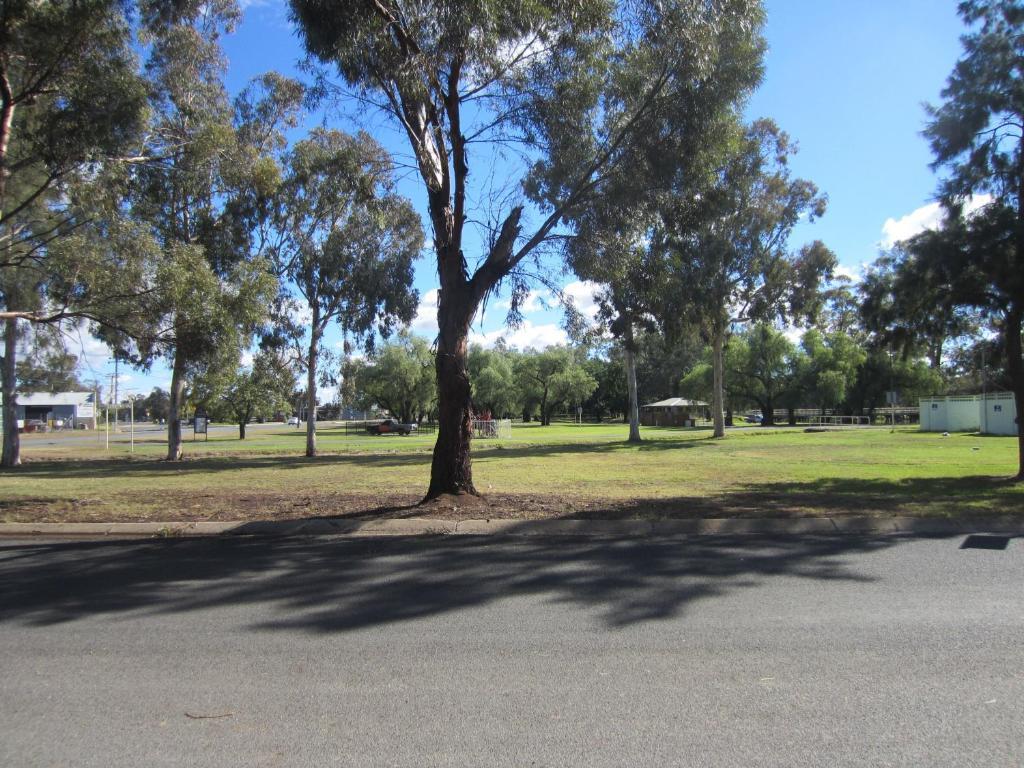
391, 427
293, 421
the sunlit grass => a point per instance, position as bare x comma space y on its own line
592, 468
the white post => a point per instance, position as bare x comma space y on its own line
106, 428
131, 405
984, 396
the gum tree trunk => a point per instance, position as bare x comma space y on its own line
634, 404
717, 394
12, 444
1015, 368
451, 470
176, 397
11, 456
314, 344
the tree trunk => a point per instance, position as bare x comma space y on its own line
451, 471
314, 343
634, 404
728, 417
545, 417
11, 456
241, 430
1015, 369
768, 414
717, 394
792, 416
12, 443
177, 395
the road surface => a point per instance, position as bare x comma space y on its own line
444, 651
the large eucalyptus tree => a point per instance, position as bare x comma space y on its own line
71, 101
977, 135
344, 242
569, 91
728, 247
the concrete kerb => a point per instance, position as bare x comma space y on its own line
555, 527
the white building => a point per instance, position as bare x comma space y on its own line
991, 414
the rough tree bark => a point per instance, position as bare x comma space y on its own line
175, 400
1015, 369
717, 386
451, 468
11, 456
314, 350
12, 443
634, 404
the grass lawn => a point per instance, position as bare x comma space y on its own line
556, 471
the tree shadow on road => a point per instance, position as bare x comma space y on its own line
339, 585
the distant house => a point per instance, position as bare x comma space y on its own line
992, 414
674, 412
57, 409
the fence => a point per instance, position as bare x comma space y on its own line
855, 421
495, 428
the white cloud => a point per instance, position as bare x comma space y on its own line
425, 322
926, 217
527, 335
854, 275
582, 293
793, 333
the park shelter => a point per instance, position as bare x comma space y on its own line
674, 412
992, 414
57, 409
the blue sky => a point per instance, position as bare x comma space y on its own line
846, 80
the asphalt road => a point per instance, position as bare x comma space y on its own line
831, 651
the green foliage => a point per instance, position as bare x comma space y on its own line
552, 378
154, 406
571, 387
343, 238
494, 386
727, 240
45, 365
761, 366
399, 377
976, 134
583, 89
610, 398
71, 99
831, 367
259, 392
905, 308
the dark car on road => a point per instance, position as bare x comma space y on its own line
390, 427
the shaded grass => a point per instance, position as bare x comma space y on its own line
563, 470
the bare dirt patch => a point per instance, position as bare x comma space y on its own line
229, 505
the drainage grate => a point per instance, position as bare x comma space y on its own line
985, 542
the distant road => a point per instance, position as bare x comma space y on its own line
588, 653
